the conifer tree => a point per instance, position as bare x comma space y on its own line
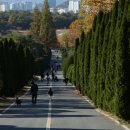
94, 54
109, 99
121, 58
76, 74
47, 29
35, 25
87, 61
99, 57
81, 63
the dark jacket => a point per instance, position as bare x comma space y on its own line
34, 89
50, 92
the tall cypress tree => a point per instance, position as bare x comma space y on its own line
35, 25
87, 61
99, 67
81, 63
76, 62
47, 29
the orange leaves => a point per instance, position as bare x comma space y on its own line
88, 21
73, 32
97, 5
88, 10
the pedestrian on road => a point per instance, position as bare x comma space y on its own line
34, 90
42, 76
48, 79
56, 79
66, 81
47, 74
50, 93
53, 75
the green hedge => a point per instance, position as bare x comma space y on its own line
101, 61
18, 63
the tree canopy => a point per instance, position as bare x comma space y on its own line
47, 29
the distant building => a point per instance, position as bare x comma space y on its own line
12, 6
74, 5
27, 6
62, 10
53, 10
4, 6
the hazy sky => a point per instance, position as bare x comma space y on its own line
34, 1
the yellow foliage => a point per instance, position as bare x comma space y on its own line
88, 10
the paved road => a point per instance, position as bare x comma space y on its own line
66, 111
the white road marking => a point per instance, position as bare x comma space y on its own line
12, 104
8, 108
48, 124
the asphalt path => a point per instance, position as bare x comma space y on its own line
65, 111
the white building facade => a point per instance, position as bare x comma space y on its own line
4, 7
62, 10
21, 6
74, 5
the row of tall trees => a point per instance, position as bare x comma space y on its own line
42, 26
21, 20
101, 66
16, 64
20, 59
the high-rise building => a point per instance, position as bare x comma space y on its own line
21, 6
74, 5
4, 6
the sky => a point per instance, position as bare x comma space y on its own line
34, 1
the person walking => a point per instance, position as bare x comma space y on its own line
53, 75
50, 93
34, 90
66, 81
48, 79
42, 76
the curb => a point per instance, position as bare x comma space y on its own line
106, 115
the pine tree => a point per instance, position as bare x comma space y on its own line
99, 66
109, 100
81, 63
94, 60
76, 74
87, 62
47, 29
35, 25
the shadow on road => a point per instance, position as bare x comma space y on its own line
8, 127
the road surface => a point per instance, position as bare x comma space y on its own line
66, 111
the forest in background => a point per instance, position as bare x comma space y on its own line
21, 20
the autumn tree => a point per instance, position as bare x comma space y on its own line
35, 25
47, 29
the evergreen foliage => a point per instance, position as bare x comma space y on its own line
35, 25
42, 26
66, 62
18, 63
101, 67
47, 29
